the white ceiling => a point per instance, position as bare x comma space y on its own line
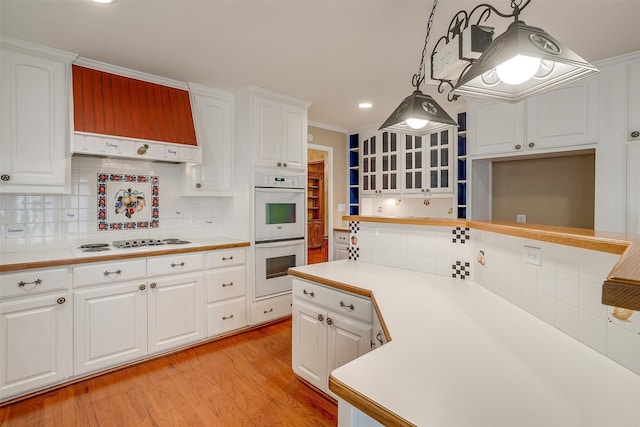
333, 54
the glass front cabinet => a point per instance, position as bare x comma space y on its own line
395, 163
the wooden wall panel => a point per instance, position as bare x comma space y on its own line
109, 104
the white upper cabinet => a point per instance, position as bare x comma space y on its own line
427, 163
634, 102
34, 118
553, 121
279, 133
213, 112
380, 161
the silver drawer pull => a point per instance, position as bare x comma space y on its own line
268, 311
350, 306
227, 258
35, 282
109, 273
227, 317
173, 264
61, 300
224, 285
311, 294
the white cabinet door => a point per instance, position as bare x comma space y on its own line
495, 127
347, 340
35, 343
175, 311
213, 113
34, 121
267, 128
110, 325
564, 117
633, 131
294, 137
309, 344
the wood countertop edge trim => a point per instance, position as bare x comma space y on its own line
116, 257
367, 405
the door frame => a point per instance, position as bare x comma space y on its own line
328, 194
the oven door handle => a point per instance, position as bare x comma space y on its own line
279, 244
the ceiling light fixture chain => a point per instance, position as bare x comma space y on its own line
419, 77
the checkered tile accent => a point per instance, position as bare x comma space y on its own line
460, 235
354, 253
460, 270
354, 250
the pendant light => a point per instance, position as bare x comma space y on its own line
419, 113
521, 62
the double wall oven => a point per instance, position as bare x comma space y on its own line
279, 202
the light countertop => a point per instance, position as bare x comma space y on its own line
10, 261
462, 356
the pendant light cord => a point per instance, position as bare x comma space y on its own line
418, 78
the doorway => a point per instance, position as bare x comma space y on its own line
318, 202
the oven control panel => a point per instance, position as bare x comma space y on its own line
284, 181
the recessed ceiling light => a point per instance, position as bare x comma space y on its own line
365, 105
103, 1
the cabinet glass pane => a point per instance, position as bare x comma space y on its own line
444, 178
385, 181
434, 158
365, 147
408, 161
365, 183
394, 142
385, 163
434, 139
373, 182
418, 160
373, 164
444, 137
373, 145
394, 163
394, 182
444, 157
418, 142
408, 178
408, 142
418, 179
385, 142
365, 165
434, 179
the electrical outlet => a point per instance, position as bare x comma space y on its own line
532, 255
521, 218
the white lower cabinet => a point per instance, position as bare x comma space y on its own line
35, 330
330, 328
226, 284
175, 311
110, 325
340, 245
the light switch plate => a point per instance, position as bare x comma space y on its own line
532, 255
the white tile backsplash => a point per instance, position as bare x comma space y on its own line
62, 220
565, 291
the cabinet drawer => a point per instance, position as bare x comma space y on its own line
226, 316
226, 257
270, 309
341, 238
226, 283
173, 264
29, 282
109, 272
333, 300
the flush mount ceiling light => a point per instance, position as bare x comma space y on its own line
419, 113
365, 105
521, 62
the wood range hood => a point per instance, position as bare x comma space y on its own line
121, 113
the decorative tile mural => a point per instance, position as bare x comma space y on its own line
127, 201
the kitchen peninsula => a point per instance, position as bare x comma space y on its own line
496, 350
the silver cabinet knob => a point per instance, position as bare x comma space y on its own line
153, 285
518, 146
142, 287
61, 300
198, 185
320, 317
5, 177
634, 134
284, 164
279, 164
329, 321
532, 144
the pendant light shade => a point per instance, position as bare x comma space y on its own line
415, 109
500, 72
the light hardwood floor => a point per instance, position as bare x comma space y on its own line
243, 380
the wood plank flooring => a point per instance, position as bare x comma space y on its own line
243, 380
